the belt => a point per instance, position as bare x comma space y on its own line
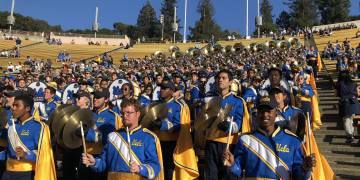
19, 165
124, 176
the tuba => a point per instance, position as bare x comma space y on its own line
159, 55
238, 47
294, 43
284, 45
270, 44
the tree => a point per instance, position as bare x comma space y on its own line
147, 23
333, 11
167, 9
283, 21
120, 27
267, 17
205, 27
26, 23
303, 13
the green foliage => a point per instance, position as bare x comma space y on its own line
303, 13
205, 27
283, 21
267, 17
147, 23
333, 11
167, 9
26, 23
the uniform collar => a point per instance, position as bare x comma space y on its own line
226, 95
26, 120
134, 130
51, 100
170, 100
277, 130
102, 110
284, 109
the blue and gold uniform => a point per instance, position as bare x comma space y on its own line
50, 107
303, 95
144, 100
284, 115
216, 144
311, 57
34, 138
106, 121
115, 157
278, 156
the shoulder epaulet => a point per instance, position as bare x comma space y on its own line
150, 132
290, 133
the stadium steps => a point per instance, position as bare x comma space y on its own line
343, 158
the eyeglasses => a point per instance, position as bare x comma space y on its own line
128, 113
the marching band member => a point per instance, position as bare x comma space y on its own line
157, 87
215, 147
83, 100
167, 129
311, 57
145, 98
269, 152
303, 93
139, 159
29, 154
50, 103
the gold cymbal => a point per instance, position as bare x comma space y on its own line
208, 112
155, 111
56, 113
223, 113
59, 118
71, 141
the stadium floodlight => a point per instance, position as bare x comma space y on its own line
162, 26
95, 26
184, 40
175, 25
11, 18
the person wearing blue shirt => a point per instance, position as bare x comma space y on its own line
25, 140
303, 93
269, 152
50, 103
139, 159
215, 146
167, 129
145, 98
311, 57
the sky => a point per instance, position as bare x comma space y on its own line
79, 14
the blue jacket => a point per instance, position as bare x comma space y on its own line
144, 100
29, 134
115, 158
237, 110
259, 156
172, 121
104, 125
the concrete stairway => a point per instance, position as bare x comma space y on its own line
343, 158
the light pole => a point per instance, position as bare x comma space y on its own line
175, 25
11, 18
162, 27
247, 19
96, 23
184, 40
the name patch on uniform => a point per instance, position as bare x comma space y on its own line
136, 142
24, 132
282, 148
100, 120
170, 111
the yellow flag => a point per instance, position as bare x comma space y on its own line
246, 124
45, 165
322, 170
118, 121
316, 116
184, 154
36, 114
319, 62
313, 83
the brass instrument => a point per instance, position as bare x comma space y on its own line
238, 47
271, 44
294, 43
284, 45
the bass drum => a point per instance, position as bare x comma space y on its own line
69, 93
116, 93
39, 90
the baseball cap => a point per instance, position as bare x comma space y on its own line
104, 93
267, 103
